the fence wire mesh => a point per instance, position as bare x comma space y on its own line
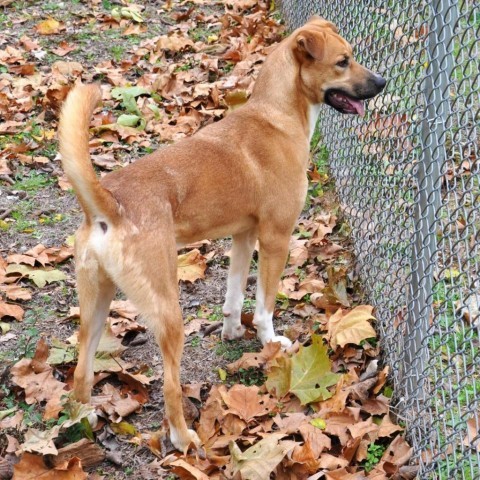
408, 179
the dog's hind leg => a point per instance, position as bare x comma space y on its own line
149, 279
272, 258
95, 292
241, 255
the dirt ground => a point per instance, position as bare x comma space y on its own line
35, 208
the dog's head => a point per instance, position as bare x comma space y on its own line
328, 72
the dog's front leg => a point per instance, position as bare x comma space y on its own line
241, 254
273, 256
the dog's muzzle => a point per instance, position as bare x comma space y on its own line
352, 102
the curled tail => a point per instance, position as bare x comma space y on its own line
96, 201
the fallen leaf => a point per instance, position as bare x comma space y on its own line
311, 372
32, 467
259, 461
191, 266
247, 402
36, 377
39, 276
41, 441
49, 27
9, 310
352, 327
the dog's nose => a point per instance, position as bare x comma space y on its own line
379, 81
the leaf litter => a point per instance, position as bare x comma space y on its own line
312, 412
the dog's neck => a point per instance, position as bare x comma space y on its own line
280, 78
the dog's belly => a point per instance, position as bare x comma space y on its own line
193, 231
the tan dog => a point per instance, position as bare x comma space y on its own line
244, 176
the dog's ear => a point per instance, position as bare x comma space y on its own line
311, 45
322, 23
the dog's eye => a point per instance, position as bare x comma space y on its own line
343, 63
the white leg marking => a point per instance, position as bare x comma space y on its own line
232, 308
263, 321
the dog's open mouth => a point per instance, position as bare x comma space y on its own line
344, 103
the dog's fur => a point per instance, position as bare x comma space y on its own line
244, 176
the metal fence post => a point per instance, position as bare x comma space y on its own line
434, 128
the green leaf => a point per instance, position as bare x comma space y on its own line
119, 93
39, 276
318, 423
76, 412
6, 413
4, 327
61, 352
123, 428
222, 374
128, 120
311, 373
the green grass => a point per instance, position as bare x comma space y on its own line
232, 351
33, 182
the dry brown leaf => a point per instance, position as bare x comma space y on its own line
180, 467
9, 310
350, 327
256, 359
387, 427
35, 376
247, 402
472, 439
191, 266
32, 467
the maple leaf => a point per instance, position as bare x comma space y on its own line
352, 327
191, 266
259, 461
310, 374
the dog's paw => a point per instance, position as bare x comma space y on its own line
284, 341
232, 333
192, 440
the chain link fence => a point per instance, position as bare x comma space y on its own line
408, 179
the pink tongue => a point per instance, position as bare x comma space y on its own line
357, 105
